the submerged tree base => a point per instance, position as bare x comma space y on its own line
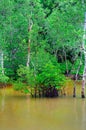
74, 96
2, 85
83, 96
74, 92
51, 92
48, 92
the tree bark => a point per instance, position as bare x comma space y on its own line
2, 61
76, 78
84, 72
29, 42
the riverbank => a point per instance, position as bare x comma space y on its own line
66, 91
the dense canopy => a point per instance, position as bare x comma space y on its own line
41, 43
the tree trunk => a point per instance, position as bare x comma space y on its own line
72, 68
65, 56
76, 77
84, 72
29, 41
2, 61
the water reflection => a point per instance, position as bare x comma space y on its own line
2, 101
83, 114
22, 113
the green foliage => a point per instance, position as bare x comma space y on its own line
44, 73
26, 75
65, 66
48, 72
3, 78
51, 76
19, 86
77, 65
54, 41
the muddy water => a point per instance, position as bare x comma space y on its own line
19, 112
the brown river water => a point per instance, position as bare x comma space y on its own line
19, 112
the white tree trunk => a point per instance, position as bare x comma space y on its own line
28, 56
2, 61
29, 42
76, 78
84, 72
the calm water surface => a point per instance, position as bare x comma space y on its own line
18, 112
